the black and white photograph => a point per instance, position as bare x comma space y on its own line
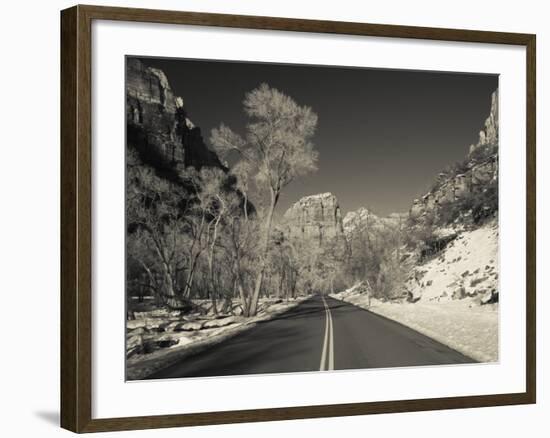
285, 218
275, 219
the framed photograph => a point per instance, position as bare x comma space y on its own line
268, 218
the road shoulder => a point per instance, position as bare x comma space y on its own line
470, 331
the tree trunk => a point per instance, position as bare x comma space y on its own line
265, 243
281, 282
168, 280
244, 301
170, 292
211, 285
194, 255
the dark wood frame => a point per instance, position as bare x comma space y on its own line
76, 237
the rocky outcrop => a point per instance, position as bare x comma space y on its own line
365, 220
467, 267
157, 123
488, 136
458, 186
316, 219
480, 169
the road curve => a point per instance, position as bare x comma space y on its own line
321, 333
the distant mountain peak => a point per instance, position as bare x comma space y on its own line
316, 218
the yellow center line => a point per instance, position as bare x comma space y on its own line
328, 341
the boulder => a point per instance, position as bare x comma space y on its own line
151, 345
414, 295
222, 322
459, 293
138, 331
136, 323
133, 341
189, 326
490, 297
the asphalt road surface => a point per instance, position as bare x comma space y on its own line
320, 334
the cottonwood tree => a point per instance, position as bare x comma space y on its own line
308, 254
240, 243
277, 148
292, 269
158, 237
392, 265
173, 224
212, 201
331, 263
212, 198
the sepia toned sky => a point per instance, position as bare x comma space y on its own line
382, 135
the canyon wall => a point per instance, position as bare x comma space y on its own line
481, 168
157, 123
316, 219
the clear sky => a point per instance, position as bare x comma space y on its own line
382, 135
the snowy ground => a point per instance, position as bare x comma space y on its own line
158, 338
461, 325
467, 268
454, 294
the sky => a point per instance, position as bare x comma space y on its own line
382, 135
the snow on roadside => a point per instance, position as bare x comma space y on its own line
466, 268
473, 331
467, 328
452, 295
181, 337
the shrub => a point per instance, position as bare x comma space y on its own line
480, 204
482, 153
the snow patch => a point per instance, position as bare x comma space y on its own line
467, 268
454, 295
153, 343
471, 330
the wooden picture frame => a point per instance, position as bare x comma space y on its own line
76, 218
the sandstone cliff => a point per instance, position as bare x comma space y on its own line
488, 136
479, 169
364, 219
157, 123
316, 219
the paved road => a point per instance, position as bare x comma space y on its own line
320, 334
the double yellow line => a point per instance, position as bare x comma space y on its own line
327, 357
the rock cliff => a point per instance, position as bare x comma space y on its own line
488, 136
157, 123
316, 219
365, 220
479, 169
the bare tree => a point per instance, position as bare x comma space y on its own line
213, 199
154, 213
277, 147
240, 242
